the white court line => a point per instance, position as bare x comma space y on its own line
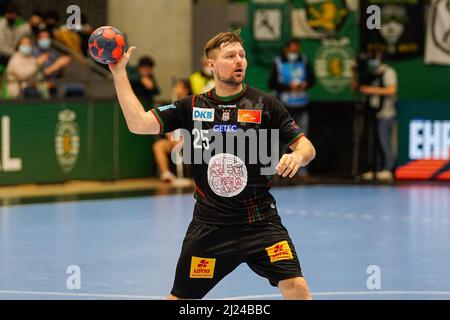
70, 294
314, 294
346, 293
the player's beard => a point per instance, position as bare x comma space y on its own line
232, 81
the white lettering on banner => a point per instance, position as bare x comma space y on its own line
203, 114
429, 140
7, 163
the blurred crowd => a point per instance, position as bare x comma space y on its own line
30, 64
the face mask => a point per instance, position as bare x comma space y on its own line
25, 49
207, 72
374, 64
11, 22
292, 56
44, 44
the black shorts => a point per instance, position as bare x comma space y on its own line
210, 252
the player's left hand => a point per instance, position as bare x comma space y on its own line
289, 164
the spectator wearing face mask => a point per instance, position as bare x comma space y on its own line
203, 80
22, 70
55, 62
291, 77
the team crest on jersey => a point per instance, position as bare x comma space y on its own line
226, 115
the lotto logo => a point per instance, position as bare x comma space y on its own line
279, 251
203, 114
202, 267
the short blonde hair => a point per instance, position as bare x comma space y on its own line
223, 38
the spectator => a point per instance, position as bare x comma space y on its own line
22, 70
11, 30
51, 19
164, 146
55, 62
291, 77
34, 24
203, 80
381, 97
144, 83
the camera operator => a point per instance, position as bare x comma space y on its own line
380, 97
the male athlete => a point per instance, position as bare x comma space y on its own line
235, 218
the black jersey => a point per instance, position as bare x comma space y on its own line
231, 187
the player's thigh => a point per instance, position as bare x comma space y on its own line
209, 253
271, 252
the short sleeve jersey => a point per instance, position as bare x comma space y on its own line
231, 186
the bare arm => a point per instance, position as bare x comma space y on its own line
138, 121
303, 153
384, 91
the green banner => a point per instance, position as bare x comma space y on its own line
48, 142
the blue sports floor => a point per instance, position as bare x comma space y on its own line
128, 248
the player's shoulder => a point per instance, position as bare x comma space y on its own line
259, 93
186, 102
268, 100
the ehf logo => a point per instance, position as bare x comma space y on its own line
203, 114
67, 140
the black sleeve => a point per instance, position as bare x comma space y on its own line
173, 116
280, 119
274, 84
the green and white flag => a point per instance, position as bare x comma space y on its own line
438, 33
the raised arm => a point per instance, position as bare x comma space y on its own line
138, 121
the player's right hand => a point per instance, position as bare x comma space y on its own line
122, 63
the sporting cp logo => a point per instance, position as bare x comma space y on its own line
333, 64
326, 16
227, 175
67, 140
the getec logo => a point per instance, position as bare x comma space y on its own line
202, 267
203, 114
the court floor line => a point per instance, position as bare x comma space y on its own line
317, 294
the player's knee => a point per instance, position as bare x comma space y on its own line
295, 288
172, 297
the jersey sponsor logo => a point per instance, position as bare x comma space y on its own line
225, 128
279, 251
203, 114
202, 268
251, 116
227, 175
169, 106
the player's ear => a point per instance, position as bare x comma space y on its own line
211, 64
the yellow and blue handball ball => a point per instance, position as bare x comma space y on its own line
107, 45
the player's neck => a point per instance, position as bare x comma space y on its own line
225, 90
